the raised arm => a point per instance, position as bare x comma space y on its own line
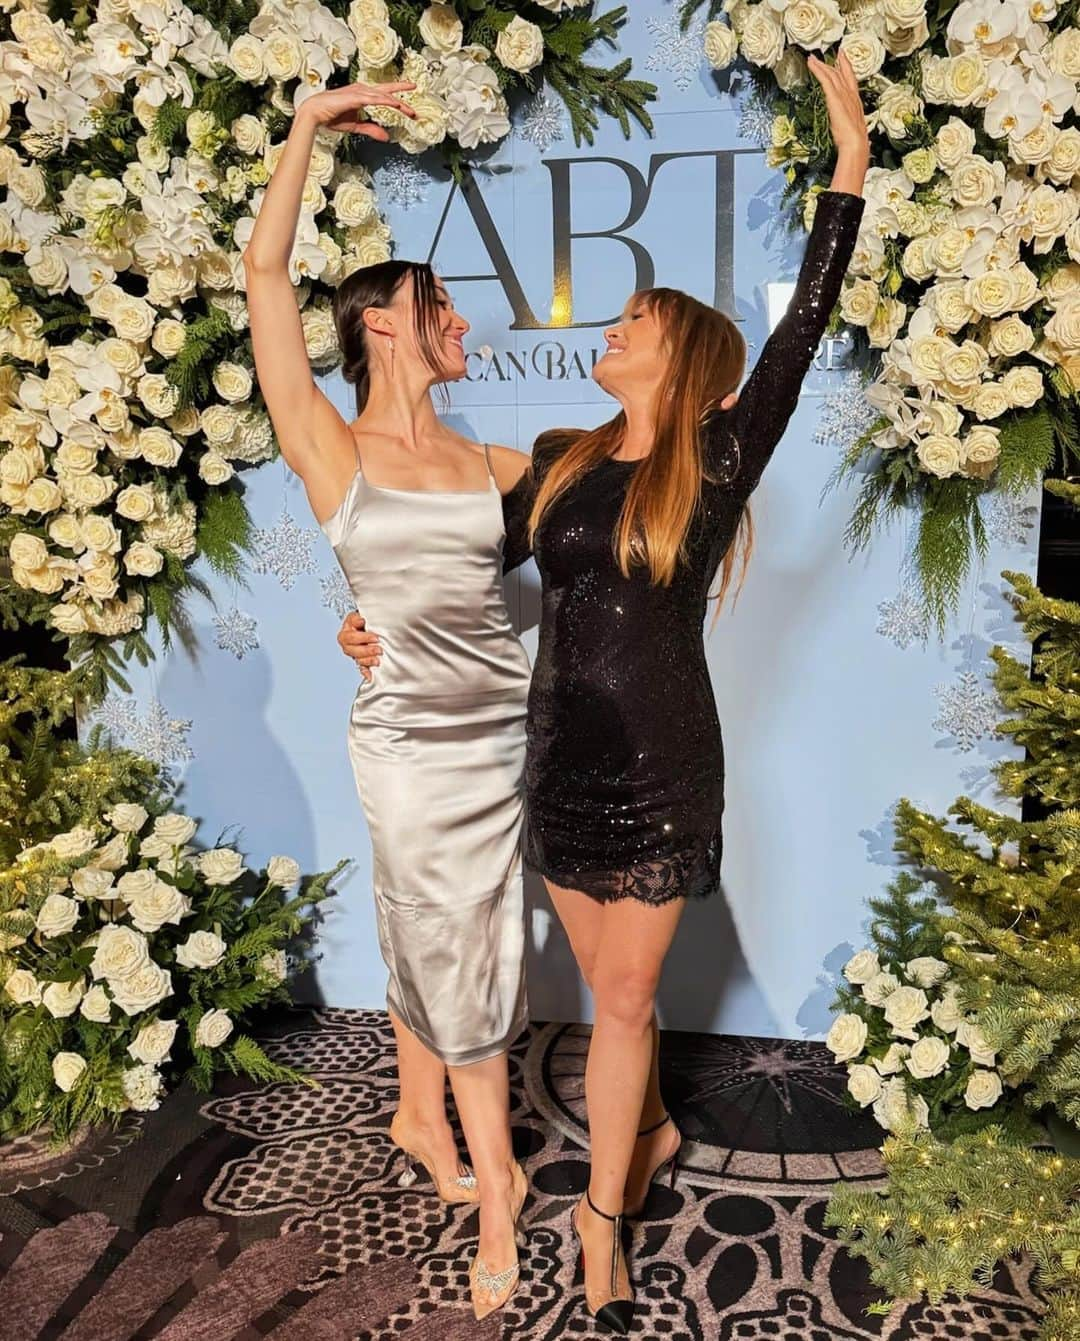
300, 413
740, 441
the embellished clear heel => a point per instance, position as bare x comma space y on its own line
491, 1289
456, 1191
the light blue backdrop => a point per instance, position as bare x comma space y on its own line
827, 718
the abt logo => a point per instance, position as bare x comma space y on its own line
568, 174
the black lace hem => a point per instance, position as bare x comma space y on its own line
691, 873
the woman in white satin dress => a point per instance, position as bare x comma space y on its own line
413, 511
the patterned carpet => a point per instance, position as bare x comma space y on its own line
273, 1211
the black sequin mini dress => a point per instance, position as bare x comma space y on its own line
624, 767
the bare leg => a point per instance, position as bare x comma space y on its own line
582, 920
482, 1095
420, 1122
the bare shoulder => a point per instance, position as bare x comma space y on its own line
508, 466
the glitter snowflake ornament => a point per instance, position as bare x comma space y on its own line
967, 712
902, 620
153, 734
236, 632
283, 550
336, 595
846, 414
399, 181
1009, 519
756, 119
543, 121
676, 50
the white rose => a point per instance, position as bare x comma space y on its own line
354, 203
232, 382
954, 140
142, 560
133, 319
23, 988
42, 495
143, 989
881, 985
283, 55
214, 469
940, 454
893, 1061
153, 1041
520, 45
813, 23
982, 448
157, 394
862, 967
846, 1037
158, 447
57, 915
111, 856
91, 883
246, 59
136, 882
721, 45
98, 533
136, 502
142, 1088
127, 817
169, 337
975, 180
75, 843
929, 1057
376, 44
864, 1084
1010, 337
150, 909
1063, 328
896, 1110
283, 871
213, 1029
1023, 385
926, 971
970, 1036
992, 293
67, 1067
61, 999
904, 1009
220, 866
441, 28
762, 37
897, 105
865, 50
95, 1005
273, 965
201, 950
983, 1089
175, 829
859, 302
964, 78
990, 400
249, 133
946, 1012
121, 952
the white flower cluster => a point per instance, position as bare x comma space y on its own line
929, 1035
95, 450
957, 220
113, 923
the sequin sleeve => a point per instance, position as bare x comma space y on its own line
517, 507
739, 442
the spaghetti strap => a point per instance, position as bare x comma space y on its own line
487, 458
356, 451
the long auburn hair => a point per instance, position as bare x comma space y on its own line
375, 286
707, 354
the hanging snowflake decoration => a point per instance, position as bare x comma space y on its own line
1009, 519
756, 118
399, 181
543, 121
284, 550
845, 415
903, 620
677, 50
155, 735
967, 712
336, 595
236, 633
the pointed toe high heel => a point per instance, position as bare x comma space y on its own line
617, 1314
631, 1211
491, 1289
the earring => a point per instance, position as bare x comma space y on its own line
391, 356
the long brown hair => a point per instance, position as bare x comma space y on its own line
375, 286
707, 354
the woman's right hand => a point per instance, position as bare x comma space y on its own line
339, 108
356, 642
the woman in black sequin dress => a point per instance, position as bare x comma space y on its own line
629, 524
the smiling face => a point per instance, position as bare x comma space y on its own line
420, 310
637, 353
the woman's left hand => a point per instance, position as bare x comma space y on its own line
846, 120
